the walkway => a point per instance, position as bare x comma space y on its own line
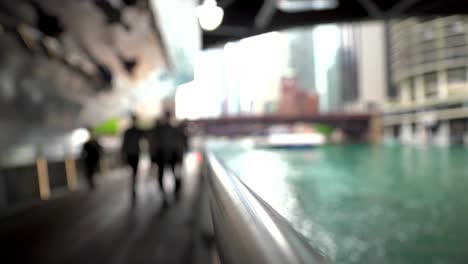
104, 227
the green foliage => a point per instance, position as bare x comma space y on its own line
323, 129
109, 127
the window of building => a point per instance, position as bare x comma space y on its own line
434, 128
456, 75
392, 91
429, 46
457, 40
428, 34
429, 56
430, 84
456, 52
396, 131
458, 27
412, 89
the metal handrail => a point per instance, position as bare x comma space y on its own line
247, 229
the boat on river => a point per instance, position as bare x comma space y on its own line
290, 141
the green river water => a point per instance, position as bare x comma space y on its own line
366, 203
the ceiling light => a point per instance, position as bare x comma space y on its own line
210, 15
305, 5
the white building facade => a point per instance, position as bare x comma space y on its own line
429, 60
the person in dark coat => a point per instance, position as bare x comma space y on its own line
91, 155
131, 151
166, 149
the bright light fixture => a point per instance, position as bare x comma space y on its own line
210, 15
80, 136
305, 5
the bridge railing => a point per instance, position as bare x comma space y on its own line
246, 228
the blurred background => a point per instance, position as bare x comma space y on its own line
355, 112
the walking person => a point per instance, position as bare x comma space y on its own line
91, 155
131, 151
166, 149
180, 150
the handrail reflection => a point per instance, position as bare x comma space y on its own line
247, 229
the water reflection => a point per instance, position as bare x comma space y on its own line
367, 204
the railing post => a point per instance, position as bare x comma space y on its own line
70, 170
104, 166
43, 178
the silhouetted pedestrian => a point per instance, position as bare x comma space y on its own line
91, 155
184, 137
131, 151
166, 149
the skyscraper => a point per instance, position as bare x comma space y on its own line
342, 76
334, 85
301, 60
348, 53
357, 79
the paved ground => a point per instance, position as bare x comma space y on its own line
104, 227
